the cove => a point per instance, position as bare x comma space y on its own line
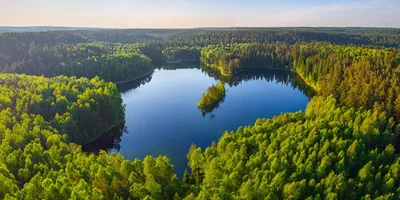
162, 117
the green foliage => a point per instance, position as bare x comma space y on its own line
328, 152
182, 53
37, 160
113, 62
81, 108
204, 37
212, 96
231, 58
341, 147
356, 76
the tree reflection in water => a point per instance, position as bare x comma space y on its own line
107, 141
287, 78
112, 139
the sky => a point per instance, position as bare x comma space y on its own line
199, 13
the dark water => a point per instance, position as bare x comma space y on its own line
162, 117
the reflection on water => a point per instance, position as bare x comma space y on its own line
163, 118
279, 76
107, 141
210, 108
183, 65
135, 83
146, 79
111, 139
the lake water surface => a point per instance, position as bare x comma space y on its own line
162, 117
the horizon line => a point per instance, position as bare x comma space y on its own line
199, 27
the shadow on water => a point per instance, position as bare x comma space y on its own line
182, 65
112, 139
146, 79
107, 141
287, 78
210, 108
135, 83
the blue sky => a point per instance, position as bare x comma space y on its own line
199, 13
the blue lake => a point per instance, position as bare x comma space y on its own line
162, 117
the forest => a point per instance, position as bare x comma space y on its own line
182, 53
356, 76
44, 120
112, 62
56, 94
80, 108
328, 152
231, 58
87, 53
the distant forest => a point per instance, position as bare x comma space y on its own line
87, 53
353, 30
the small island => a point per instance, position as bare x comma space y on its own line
213, 95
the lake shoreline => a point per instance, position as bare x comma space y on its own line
179, 61
105, 132
162, 116
306, 82
133, 79
247, 68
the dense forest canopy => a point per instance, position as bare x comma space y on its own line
349, 30
231, 58
356, 76
182, 53
342, 147
328, 152
40, 117
117, 54
113, 62
81, 108
203, 37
